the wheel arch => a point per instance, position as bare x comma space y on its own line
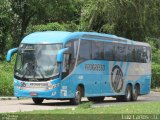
130, 84
139, 86
83, 88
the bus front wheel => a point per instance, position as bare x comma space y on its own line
96, 99
78, 95
37, 100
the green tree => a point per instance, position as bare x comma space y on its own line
17, 15
155, 61
134, 19
23, 13
5, 16
35, 12
53, 27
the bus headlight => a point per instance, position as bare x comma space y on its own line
18, 87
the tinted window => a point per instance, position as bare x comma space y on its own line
109, 51
84, 51
137, 54
120, 54
140, 54
130, 53
97, 50
144, 54
73, 46
148, 55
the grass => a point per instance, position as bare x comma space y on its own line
85, 105
6, 78
130, 108
85, 111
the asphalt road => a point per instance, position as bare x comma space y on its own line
28, 105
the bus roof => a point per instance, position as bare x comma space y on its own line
51, 37
46, 37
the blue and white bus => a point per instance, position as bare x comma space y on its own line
71, 65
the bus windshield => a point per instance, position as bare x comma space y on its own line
37, 61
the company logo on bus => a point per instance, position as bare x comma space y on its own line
23, 84
117, 78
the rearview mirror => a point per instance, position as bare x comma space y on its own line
60, 54
10, 53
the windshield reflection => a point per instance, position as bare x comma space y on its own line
37, 61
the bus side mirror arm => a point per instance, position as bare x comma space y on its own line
60, 54
10, 53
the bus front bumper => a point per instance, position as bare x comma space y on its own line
54, 93
49, 89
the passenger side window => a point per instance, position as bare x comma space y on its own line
109, 51
73, 46
137, 54
140, 54
84, 51
130, 53
120, 54
148, 55
66, 62
97, 50
144, 54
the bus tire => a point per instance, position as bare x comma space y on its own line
37, 101
78, 95
96, 99
136, 93
128, 94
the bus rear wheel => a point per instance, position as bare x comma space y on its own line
96, 99
128, 94
78, 95
136, 93
37, 101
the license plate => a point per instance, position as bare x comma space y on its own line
33, 94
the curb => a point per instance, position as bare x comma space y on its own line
9, 98
15, 98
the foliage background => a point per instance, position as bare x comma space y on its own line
134, 19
